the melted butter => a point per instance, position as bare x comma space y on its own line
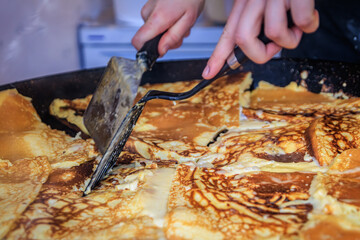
155, 194
131, 182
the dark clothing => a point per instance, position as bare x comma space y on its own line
338, 36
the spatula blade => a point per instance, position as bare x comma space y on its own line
112, 100
109, 158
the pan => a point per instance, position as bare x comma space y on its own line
335, 76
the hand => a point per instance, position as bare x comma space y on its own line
175, 16
244, 25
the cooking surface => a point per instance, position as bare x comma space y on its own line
212, 193
334, 75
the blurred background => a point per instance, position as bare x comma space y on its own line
44, 37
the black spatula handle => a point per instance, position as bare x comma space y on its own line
149, 52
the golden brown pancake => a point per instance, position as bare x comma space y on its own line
206, 204
330, 227
270, 117
347, 160
182, 130
335, 196
228, 178
115, 209
280, 144
297, 100
17, 113
331, 135
70, 112
20, 183
23, 135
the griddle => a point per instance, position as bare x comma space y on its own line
336, 76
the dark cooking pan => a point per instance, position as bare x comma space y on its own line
335, 75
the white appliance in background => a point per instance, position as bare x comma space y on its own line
99, 43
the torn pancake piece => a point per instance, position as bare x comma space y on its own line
20, 183
70, 112
331, 135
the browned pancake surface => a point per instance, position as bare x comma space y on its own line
205, 203
332, 135
296, 100
20, 183
110, 211
282, 144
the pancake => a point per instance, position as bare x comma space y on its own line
347, 160
182, 130
70, 112
17, 113
20, 183
330, 227
261, 115
225, 164
331, 135
20, 125
205, 204
284, 144
335, 196
297, 100
117, 208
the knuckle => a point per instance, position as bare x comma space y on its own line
304, 20
159, 17
293, 44
259, 59
226, 33
241, 39
143, 13
191, 16
273, 33
174, 38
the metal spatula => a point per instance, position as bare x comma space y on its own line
107, 118
102, 117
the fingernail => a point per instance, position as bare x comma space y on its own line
206, 71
